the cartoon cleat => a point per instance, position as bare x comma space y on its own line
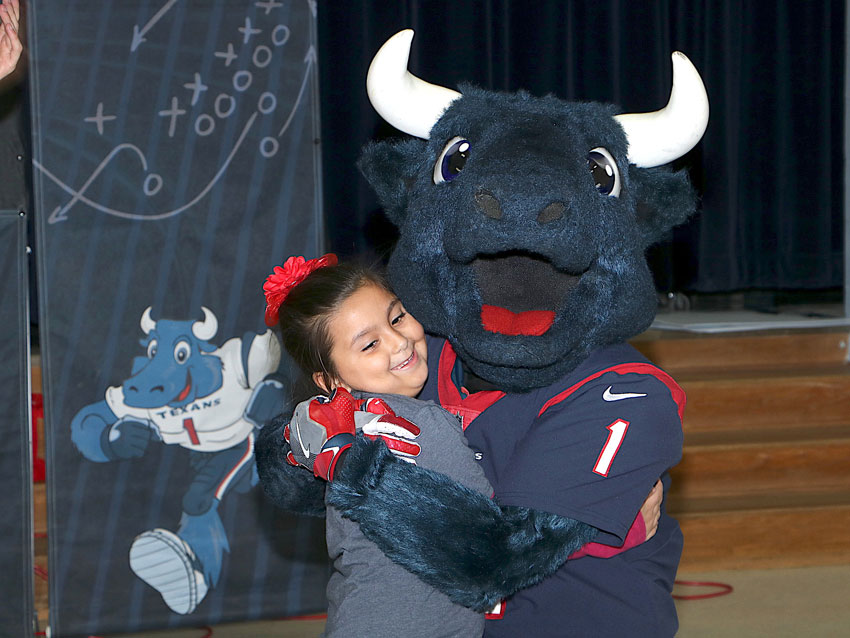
166, 562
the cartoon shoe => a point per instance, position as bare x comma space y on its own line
166, 562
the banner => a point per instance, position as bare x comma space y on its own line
175, 161
16, 546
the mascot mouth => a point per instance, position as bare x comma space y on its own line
186, 390
521, 292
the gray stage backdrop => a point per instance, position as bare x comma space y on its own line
16, 543
175, 161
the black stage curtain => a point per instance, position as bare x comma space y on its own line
769, 170
16, 527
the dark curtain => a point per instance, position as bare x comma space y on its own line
16, 474
769, 170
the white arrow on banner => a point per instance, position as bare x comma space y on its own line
139, 34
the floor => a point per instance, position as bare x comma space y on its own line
802, 602
812, 316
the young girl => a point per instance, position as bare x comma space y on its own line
350, 333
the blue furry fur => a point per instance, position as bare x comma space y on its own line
483, 552
525, 153
291, 488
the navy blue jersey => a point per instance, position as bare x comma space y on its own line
588, 447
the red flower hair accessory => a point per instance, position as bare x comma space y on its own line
286, 277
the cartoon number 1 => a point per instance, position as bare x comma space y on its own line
616, 434
189, 426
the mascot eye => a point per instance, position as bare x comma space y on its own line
181, 351
152, 349
603, 169
451, 160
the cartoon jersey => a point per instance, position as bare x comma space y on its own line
209, 424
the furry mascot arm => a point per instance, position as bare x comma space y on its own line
484, 552
291, 488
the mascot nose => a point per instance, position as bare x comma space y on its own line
488, 204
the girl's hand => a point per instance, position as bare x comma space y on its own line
651, 509
10, 43
643, 528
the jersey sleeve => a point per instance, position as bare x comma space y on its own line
595, 452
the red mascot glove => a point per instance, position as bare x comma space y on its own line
398, 433
320, 430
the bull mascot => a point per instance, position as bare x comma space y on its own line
186, 391
523, 226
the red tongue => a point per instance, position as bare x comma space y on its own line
503, 321
185, 391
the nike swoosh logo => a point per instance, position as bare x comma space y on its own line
300, 442
619, 396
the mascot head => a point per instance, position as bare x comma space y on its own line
523, 220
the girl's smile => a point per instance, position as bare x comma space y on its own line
406, 362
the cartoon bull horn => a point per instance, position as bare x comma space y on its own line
661, 136
402, 99
146, 322
206, 329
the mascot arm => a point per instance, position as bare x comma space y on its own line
485, 552
291, 488
87, 428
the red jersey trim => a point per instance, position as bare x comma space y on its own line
626, 368
498, 611
469, 408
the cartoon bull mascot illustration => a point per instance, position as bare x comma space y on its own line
207, 399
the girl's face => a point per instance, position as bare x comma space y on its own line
377, 346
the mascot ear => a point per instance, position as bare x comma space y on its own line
663, 200
390, 168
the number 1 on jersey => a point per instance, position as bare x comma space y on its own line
616, 434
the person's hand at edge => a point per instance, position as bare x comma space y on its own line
10, 42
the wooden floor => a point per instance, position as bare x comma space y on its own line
765, 477
780, 603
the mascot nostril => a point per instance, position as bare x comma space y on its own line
488, 204
552, 212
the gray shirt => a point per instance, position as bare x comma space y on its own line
369, 596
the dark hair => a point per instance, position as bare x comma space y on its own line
304, 314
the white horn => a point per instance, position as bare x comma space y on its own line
661, 136
206, 329
402, 99
147, 323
